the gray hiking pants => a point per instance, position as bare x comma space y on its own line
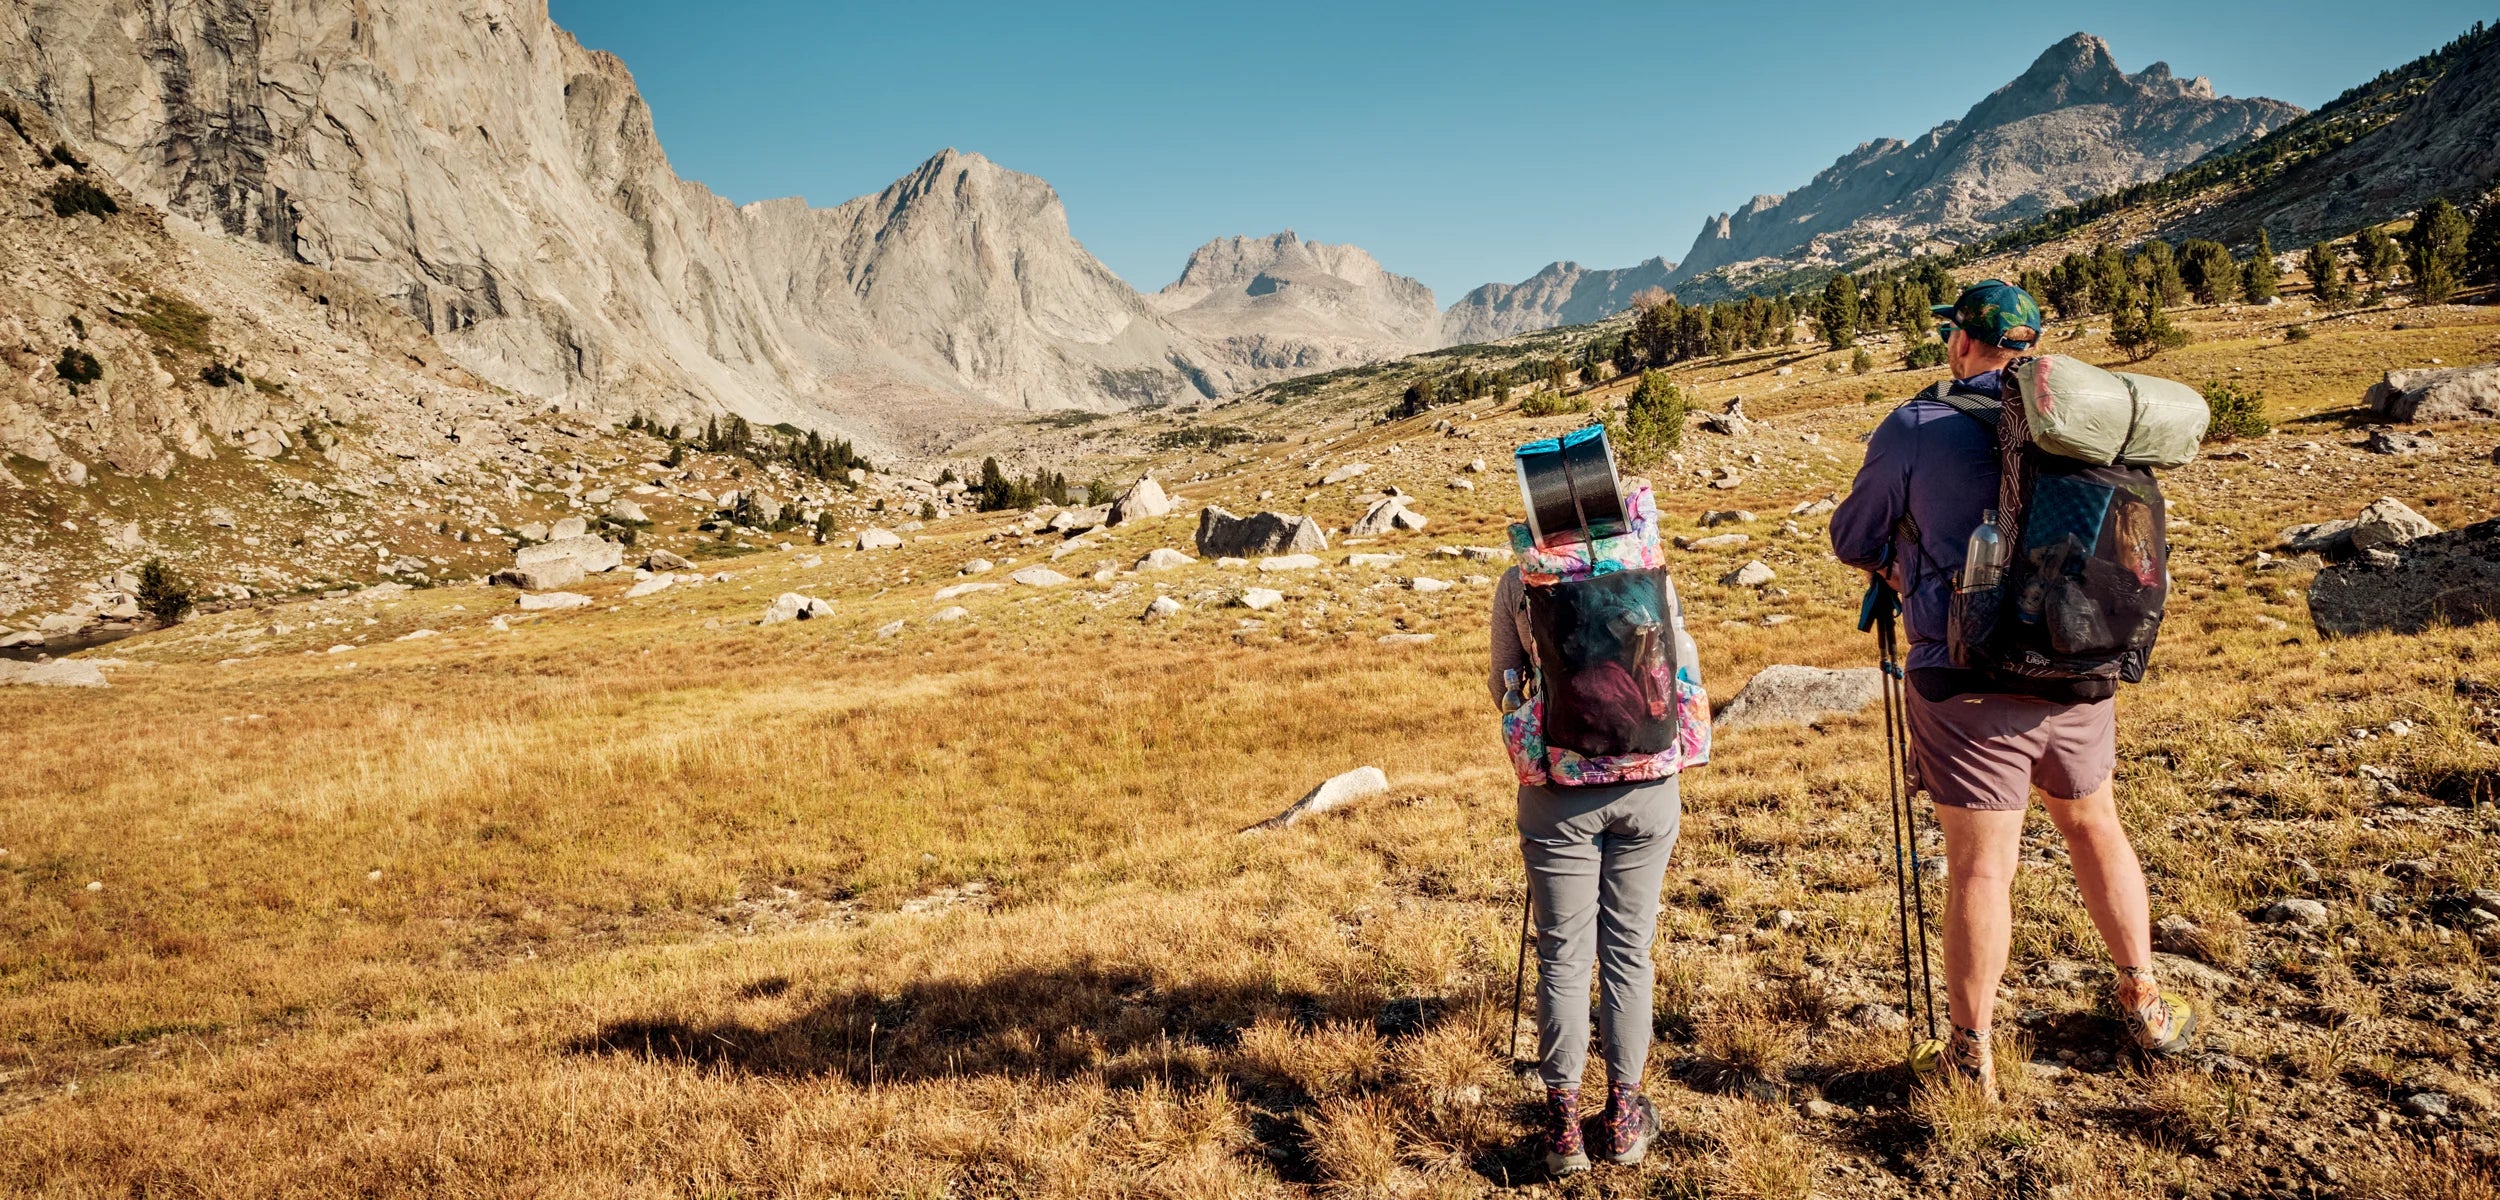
1596, 859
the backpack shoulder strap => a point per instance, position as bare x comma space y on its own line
1971, 404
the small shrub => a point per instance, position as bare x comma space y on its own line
1861, 362
928, 510
1873, 396
268, 387
71, 197
1547, 404
175, 323
61, 154
217, 374
1923, 355
162, 593
76, 367
2297, 333
1097, 493
2237, 412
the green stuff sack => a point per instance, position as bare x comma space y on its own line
2170, 421
2079, 411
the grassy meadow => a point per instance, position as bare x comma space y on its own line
645, 899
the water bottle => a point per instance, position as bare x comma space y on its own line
1511, 697
1983, 562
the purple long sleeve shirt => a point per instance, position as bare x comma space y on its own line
1938, 468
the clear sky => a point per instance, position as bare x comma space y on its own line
1459, 141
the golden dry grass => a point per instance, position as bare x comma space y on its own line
646, 900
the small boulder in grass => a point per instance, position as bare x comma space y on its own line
2297, 911
1337, 792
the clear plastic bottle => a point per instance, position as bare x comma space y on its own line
1983, 562
1512, 697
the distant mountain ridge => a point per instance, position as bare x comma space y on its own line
2071, 126
1564, 293
1279, 303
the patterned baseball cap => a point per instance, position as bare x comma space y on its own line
1998, 313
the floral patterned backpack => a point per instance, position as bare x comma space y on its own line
1614, 691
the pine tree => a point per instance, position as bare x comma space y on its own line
2262, 280
2326, 277
1652, 424
2379, 255
2435, 249
2142, 329
2069, 289
2158, 270
2212, 277
1837, 314
2113, 286
2482, 242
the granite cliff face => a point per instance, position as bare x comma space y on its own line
473, 164
1281, 304
1564, 293
2072, 126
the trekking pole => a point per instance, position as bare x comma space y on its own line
1519, 979
1897, 700
1875, 614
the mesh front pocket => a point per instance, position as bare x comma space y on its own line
1607, 654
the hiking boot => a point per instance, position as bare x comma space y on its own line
1631, 1121
1964, 1057
2161, 1022
1564, 1153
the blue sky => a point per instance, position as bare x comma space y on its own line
1460, 142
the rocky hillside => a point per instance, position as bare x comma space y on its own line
1564, 293
475, 166
2430, 128
1281, 304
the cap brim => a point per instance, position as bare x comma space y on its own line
1941, 310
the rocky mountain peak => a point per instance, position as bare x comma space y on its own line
2071, 126
1278, 302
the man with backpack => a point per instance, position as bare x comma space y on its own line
1983, 734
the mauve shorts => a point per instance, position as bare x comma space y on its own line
1988, 751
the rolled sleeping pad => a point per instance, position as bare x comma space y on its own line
1570, 488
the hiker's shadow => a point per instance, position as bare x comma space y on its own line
1049, 1023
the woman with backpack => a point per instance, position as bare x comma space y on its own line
1603, 706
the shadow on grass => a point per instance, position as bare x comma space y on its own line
1034, 1024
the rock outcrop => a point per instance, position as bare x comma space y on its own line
1282, 305
2450, 578
1223, 535
2438, 394
1785, 694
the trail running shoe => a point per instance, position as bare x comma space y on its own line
1964, 1057
1631, 1121
1564, 1152
2162, 1022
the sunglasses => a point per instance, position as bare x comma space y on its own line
1944, 332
